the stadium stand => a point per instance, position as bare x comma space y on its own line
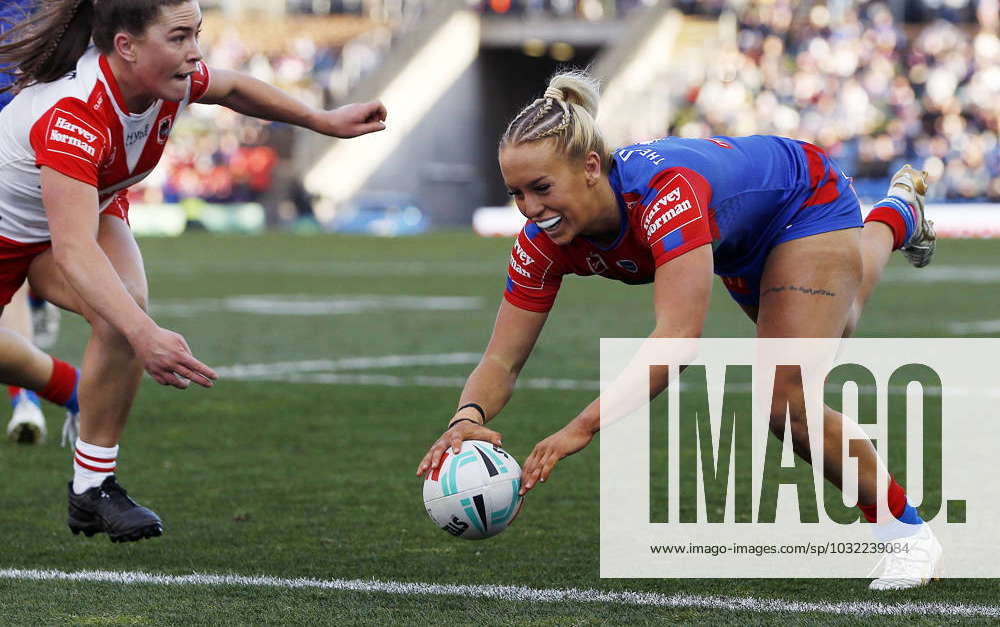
873, 91
319, 58
876, 84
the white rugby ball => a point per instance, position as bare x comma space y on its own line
474, 494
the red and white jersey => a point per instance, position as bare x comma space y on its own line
79, 126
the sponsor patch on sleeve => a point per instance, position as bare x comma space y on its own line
69, 143
532, 280
675, 220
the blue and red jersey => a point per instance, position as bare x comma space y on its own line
739, 194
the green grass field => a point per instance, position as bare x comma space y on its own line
302, 466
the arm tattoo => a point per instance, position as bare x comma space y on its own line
798, 288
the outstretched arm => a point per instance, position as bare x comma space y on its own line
492, 382
247, 95
681, 291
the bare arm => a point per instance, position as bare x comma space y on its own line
492, 382
682, 288
249, 96
71, 207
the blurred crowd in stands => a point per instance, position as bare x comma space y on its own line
319, 52
850, 76
584, 9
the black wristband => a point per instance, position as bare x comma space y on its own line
482, 413
458, 420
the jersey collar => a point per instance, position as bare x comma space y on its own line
112, 83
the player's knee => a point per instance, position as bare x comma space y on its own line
852, 320
104, 332
139, 293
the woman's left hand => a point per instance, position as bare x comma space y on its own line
351, 120
549, 451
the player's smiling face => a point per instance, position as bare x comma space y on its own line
168, 52
561, 196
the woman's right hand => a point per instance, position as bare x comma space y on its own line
453, 437
167, 358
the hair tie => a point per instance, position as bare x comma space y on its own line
554, 92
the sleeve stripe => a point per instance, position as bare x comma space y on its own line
69, 154
674, 230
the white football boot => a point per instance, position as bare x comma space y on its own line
911, 186
27, 425
911, 562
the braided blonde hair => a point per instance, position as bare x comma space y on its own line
566, 112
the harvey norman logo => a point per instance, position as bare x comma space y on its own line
520, 258
521, 263
67, 132
672, 196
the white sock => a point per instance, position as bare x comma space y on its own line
92, 465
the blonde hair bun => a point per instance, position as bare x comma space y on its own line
576, 87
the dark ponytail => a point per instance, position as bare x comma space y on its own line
46, 46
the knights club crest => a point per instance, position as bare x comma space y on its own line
596, 263
163, 131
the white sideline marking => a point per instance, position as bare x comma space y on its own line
982, 326
310, 305
517, 593
286, 368
336, 268
344, 372
943, 274
434, 382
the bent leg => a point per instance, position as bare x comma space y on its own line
897, 221
21, 363
110, 371
808, 289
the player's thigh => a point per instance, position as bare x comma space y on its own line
809, 285
116, 240
47, 281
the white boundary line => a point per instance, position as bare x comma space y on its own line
288, 368
346, 371
517, 593
313, 305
